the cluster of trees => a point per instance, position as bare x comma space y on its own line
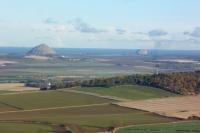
51, 84
185, 83
104, 82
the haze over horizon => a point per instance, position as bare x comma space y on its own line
127, 24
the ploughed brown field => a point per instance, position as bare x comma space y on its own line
180, 107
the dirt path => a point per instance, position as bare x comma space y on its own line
74, 91
99, 95
23, 92
53, 108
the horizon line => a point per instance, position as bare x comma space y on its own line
105, 48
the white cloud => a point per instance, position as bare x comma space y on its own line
155, 33
84, 27
196, 32
78, 33
120, 31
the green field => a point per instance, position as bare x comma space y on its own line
24, 128
181, 127
19, 74
85, 68
5, 92
47, 99
134, 92
88, 119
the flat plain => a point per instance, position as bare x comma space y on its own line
85, 67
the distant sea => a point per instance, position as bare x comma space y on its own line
107, 52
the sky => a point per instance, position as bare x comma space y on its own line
120, 24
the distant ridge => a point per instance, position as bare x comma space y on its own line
41, 50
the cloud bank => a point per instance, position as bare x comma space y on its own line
84, 27
79, 33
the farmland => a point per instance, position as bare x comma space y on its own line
81, 109
34, 100
180, 107
24, 128
85, 66
14, 87
133, 92
183, 127
99, 66
88, 119
81, 112
5, 92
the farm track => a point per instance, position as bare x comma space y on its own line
23, 92
101, 96
53, 108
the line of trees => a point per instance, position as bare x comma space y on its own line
185, 83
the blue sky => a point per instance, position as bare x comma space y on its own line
163, 24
